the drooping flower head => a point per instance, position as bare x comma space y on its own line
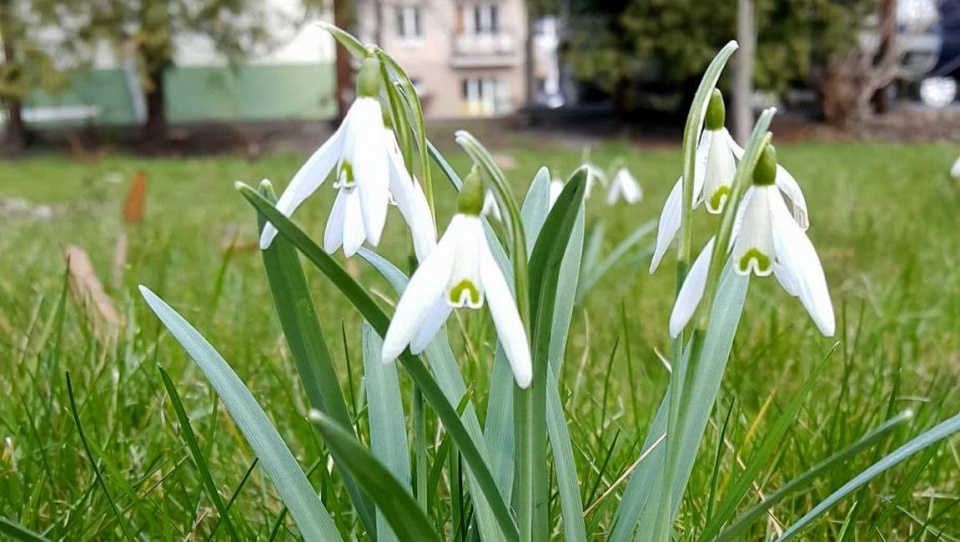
714, 171
459, 273
368, 169
766, 239
624, 185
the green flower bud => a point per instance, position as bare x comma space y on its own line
766, 171
368, 79
471, 194
716, 112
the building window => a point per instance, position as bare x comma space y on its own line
484, 96
409, 23
481, 18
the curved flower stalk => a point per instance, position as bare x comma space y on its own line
460, 272
625, 186
714, 171
369, 170
766, 240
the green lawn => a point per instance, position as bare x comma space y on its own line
884, 221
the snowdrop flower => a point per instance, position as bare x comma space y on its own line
766, 240
490, 207
714, 171
459, 272
624, 185
556, 187
365, 157
594, 173
955, 170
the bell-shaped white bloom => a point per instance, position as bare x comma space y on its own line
670, 217
459, 272
556, 188
955, 169
766, 239
771, 241
719, 169
368, 167
624, 185
490, 207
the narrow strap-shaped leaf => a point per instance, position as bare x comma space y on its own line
391, 497
707, 377
349, 42
197, 455
18, 532
571, 506
536, 206
388, 433
933, 436
304, 335
312, 519
805, 480
432, 392
445, 370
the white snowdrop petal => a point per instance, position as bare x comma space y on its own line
465, 286
506, 318
669, 224
371, 166
354, 231
423, 291
431, 325
736, 149
333, 235
308, 178
753, 249
412, 204
688, 299
719, 174
790, 188
955, 169
801, 268
700, 158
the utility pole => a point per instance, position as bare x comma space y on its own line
743, 71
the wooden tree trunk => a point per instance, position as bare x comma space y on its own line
15, 137
155, 127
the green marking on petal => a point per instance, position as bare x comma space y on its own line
465, 287
718, 199
762, 262
345, 178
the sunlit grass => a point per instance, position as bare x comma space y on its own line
884, 219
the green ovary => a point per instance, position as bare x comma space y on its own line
464, 286
763, 261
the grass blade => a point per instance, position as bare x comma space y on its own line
805, 480
928, 438
18, 532
197, 455
304, 337
388, 435
448, 377
312, 519
390, 496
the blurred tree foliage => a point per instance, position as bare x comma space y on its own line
47, 41
34, 56
144, 30
634, 48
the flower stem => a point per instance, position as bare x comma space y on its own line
420, 447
